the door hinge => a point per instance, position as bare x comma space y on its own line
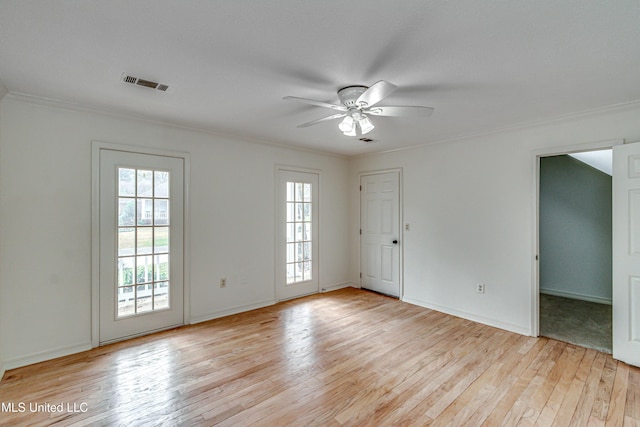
361, 188
361, 231
361, 275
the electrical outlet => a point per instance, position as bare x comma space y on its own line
480, 288
223, 282
406, 227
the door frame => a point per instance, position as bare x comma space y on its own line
96, 147
399, 171
535, 268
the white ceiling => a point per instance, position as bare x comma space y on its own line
483, 65
600, 159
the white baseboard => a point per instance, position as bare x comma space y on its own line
337, 286
470, 316
30, 359
573, 295
242, 308
65, 351
231, 310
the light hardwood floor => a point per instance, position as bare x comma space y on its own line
348, 357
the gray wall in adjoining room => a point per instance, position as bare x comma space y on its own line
575, 230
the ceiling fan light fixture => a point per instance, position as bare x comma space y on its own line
347, 125
365, 124
352, 132
357, 103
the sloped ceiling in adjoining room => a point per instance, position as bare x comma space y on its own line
483, 65
599, 159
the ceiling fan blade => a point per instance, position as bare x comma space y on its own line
399, 111
316, 103
324, 119
376, 93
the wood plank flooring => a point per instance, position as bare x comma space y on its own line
348, 357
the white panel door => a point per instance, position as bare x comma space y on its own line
141, 244
380, 232
297, 234
626, 253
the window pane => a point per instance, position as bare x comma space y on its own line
144, 269
145, 183
298, 208
161, 182
126, 182
290, 212
306, 269
143, 240
144, 299
126, 212
145, 212
290, 187
291, 252
126, 241
126, 301
299, 212
307, 231
307, 193
299, 252
161, 295
299, 229
291, 277
298, 192
161, 267
290, 232
161, 239
126, 266
161, 212
299, 277
306, 251
144, 243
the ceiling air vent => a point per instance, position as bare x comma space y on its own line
142, 82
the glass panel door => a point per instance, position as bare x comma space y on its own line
297, 255
141, 243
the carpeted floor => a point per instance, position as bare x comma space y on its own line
582, 323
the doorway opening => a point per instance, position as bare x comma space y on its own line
575, 248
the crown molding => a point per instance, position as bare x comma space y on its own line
64, 105
69, 106
515, 127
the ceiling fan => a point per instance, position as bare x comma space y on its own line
358, 102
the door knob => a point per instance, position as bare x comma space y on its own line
395, 242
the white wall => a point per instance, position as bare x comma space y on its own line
45, 221
471, 208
